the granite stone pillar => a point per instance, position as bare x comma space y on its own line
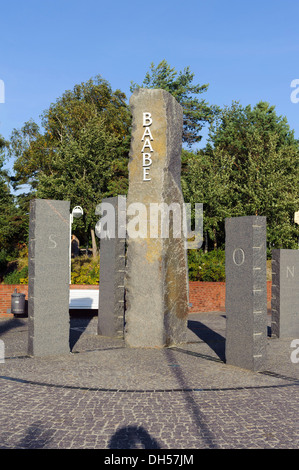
246, 292
112, 266
285, 294
48, 289
157, 273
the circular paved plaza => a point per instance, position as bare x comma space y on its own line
104, 395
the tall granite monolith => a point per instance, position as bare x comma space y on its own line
48, 289
112, 234
246, 292
285, 294
156, 274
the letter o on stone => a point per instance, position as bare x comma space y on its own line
238, 256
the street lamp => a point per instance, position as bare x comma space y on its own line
77, 212
296, 220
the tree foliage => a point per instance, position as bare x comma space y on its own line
250, 166
197, 112
13, 223
83, 171
82, 153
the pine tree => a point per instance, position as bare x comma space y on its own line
197, 112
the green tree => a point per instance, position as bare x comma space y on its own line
82, 153
206, 180
250, 166
29, 149
84, 171
197, 112
6, 203
3, 144
6, 199
13, 226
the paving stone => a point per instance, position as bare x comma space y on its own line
44, 403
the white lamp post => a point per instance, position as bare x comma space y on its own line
296, 220
77, 212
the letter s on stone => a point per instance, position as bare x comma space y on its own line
54, 244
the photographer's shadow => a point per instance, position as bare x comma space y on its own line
214, 340
132, 437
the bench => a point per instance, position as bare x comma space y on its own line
85, 299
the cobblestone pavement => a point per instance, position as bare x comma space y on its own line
106, 396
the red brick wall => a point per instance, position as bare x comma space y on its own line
210, 296
204, 296
5, 295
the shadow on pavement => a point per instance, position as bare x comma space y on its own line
78, 323
10, 324
36, 437
198, 418
132, 437
214, 340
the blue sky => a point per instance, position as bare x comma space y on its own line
245, 50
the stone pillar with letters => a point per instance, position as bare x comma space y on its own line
285, 294
156, 273
112, 234
246, 292
48, 266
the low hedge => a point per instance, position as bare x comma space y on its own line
206, 267
85, 270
